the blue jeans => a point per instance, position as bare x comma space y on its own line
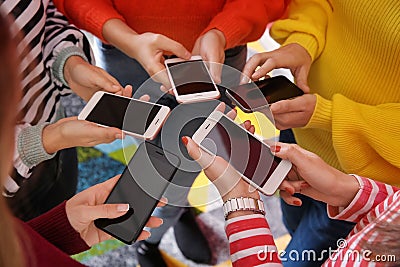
310, 227
128, 71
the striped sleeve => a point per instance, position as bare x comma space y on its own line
251, 242
59, 35
370, 194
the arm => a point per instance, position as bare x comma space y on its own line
62, 41
369, 196
305, 25
55, 228
241, 22
362, 129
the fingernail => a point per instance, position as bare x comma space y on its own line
188, 55
118, 136
275, 149
297, 202
185, 140
162, 221
123, 207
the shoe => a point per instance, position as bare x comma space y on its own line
190, 239
149, 255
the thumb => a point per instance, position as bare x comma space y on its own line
108, 211
216, 71
198, 154
301, 79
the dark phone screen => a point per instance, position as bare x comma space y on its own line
243, 151
141, 185
190, 77
272, 90
111, 111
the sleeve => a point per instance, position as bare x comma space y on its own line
55, 228
251, 242
369, 196
62, 40
306, 25
359, 129
89, 15
242, 22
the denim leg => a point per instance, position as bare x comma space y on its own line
317, 233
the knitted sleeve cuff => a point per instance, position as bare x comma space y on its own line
322, 116
59, 63
305, 40
30, 146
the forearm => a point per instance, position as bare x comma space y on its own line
120, 35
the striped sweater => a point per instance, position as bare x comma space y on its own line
376, 203
43, 34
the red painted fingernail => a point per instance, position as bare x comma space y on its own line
297, 202
185, 140
275, 149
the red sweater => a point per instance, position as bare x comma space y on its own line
49, 239
241, 21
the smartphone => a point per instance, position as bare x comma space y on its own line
252, 158
259, 94
191, 80
141, 185
135, 117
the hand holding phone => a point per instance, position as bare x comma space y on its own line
135, 117
259, 94
141, 185
221, 136
191, 80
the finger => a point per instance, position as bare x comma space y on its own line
251, 66
109, 211
221, 107
102, 135
105, 81
174, 47
265, 68
292, 152
127, 91
232, 114
215, 69
252, 129
159, 74
145, 98
301, 79
288, 187
286, 106
289, 199
154, 222
246, 124
163, 201
143, 235
196, 153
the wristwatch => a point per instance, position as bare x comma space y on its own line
243, 203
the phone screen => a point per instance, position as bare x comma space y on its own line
141, 185
267, 91
111, 111
190, 77
243, 151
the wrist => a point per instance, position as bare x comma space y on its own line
242, 189
71, 63
51, 138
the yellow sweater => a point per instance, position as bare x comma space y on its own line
355, 46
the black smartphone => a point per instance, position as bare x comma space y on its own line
259, 94
141, 185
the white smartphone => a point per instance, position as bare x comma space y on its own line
191, 80
135, 117
251, 157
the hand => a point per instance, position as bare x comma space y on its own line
211, 47
71, 132
312, 177
292, 56
87, 206
293, 113
85, 79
